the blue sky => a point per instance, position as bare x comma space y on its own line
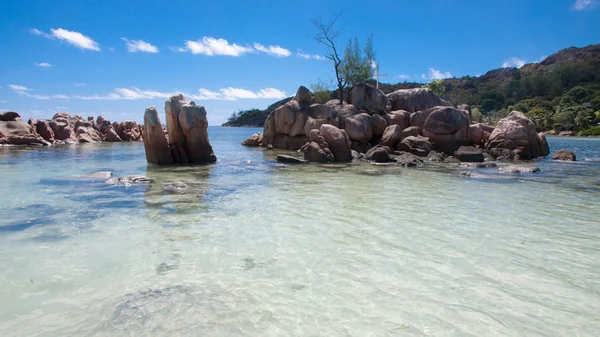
115, 58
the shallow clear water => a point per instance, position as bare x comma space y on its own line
251, 247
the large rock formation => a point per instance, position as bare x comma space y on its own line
338, 141
194, 125
517, 133
359, 127
155, 142
413, 100
187, 127
366, 97
447, 128
13, 130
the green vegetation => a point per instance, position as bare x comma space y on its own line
593, 131
561, 93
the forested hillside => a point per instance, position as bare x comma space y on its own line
562, 92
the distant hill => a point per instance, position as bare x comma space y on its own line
560, 92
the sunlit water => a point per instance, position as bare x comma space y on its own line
252, 247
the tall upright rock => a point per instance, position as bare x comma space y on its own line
176, 138
187, 129
194, 125
155, 141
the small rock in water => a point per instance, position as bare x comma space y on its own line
564, 155
282, 158
101, 175
269, 147
519, 169
435, 157
479, 165
128, 180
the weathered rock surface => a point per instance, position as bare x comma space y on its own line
282, 158
517, 133
399, 117
410, 131
194, 125
418, 145
359, 127
568, 133
379, 125
480, 133
391, 136
378, 154
447, 128
469, 154
44, 130
413, 100
366, 97
435, 157
338, 141
317, 149
177, 142
254, 140
303, 95
409, 160
13, 130
564, 155
155, 141
86, 133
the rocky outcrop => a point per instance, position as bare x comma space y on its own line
391, 136
155, 141
359, 127
409, 160
366, 97
86, 133
317, 149
399, 117
480, 133
285, 159
564, 155
417, 145
447, 128
194, 125
517, 133
129, 131
303, 95
338, 142
44, 130
378, 154
187, 124
413, 100
254, 140
379, 125
410, 131
568, 133
469, 154
14, 131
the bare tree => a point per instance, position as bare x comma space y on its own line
326, 35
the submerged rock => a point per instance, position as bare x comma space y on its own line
409, 160
282, 158
129, 180
519, 169
101, 175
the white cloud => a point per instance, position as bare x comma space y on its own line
303, 55
210, 46
139, 46
402, 77
80, 84
513, 62
581, 5
17, 87
224, 94
43, 64
273, 50
2, 102
435, 74
71, 37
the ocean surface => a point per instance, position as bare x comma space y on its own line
250, 247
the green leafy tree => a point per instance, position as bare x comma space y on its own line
541, 117
437, 86
488, 104
321, 91
357, 67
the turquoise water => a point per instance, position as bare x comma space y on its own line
251, 247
